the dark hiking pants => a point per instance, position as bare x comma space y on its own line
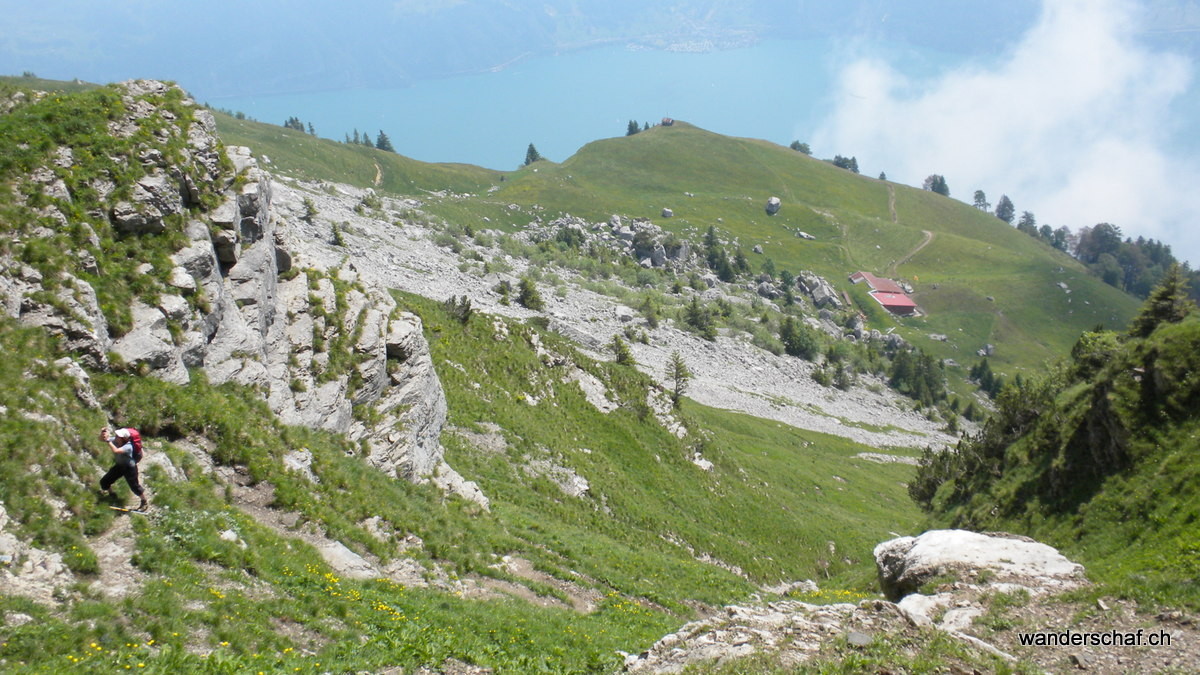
123, 467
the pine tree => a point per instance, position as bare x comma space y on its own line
620, 350
740, 264
1005, 210
1027, 223
679, 375
1168, 303
532, 155
700, 319
633, 128
798, 340
528, 295
382, 142
937, 183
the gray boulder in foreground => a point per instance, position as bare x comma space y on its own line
908, 562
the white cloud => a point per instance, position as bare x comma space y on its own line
1072, 124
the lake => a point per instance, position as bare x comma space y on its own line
775, 90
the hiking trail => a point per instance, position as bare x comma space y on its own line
929, 237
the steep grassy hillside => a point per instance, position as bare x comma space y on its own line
1099, 457
779, 504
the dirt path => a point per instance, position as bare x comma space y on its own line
929, 237
892, 203
114, 552
378, 174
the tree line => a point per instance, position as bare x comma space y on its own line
381, 142
1135, 266
1132, 265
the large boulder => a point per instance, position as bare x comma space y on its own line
773, 205
905, 564
658, 257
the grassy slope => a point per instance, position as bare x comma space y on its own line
771, 506
40, 84
298, 154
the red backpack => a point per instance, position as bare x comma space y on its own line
136, 439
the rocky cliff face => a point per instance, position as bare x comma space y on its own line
226, 297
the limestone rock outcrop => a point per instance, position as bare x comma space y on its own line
317, 342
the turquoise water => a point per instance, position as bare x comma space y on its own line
774, 90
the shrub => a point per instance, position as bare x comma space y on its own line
528, 295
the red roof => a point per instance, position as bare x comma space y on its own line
877, 284
893, 299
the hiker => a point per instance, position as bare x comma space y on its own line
126, 448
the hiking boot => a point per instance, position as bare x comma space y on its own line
144, 505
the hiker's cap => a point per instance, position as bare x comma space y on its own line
122, 433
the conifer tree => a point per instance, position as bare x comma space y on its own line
1005, 210
633, 128
679, 375
798, 340
532, 155
620, 350
1168, 303
382, 142
528, 295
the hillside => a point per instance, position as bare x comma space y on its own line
979, 280
858, 222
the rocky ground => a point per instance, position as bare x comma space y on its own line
979, 592
729, 373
